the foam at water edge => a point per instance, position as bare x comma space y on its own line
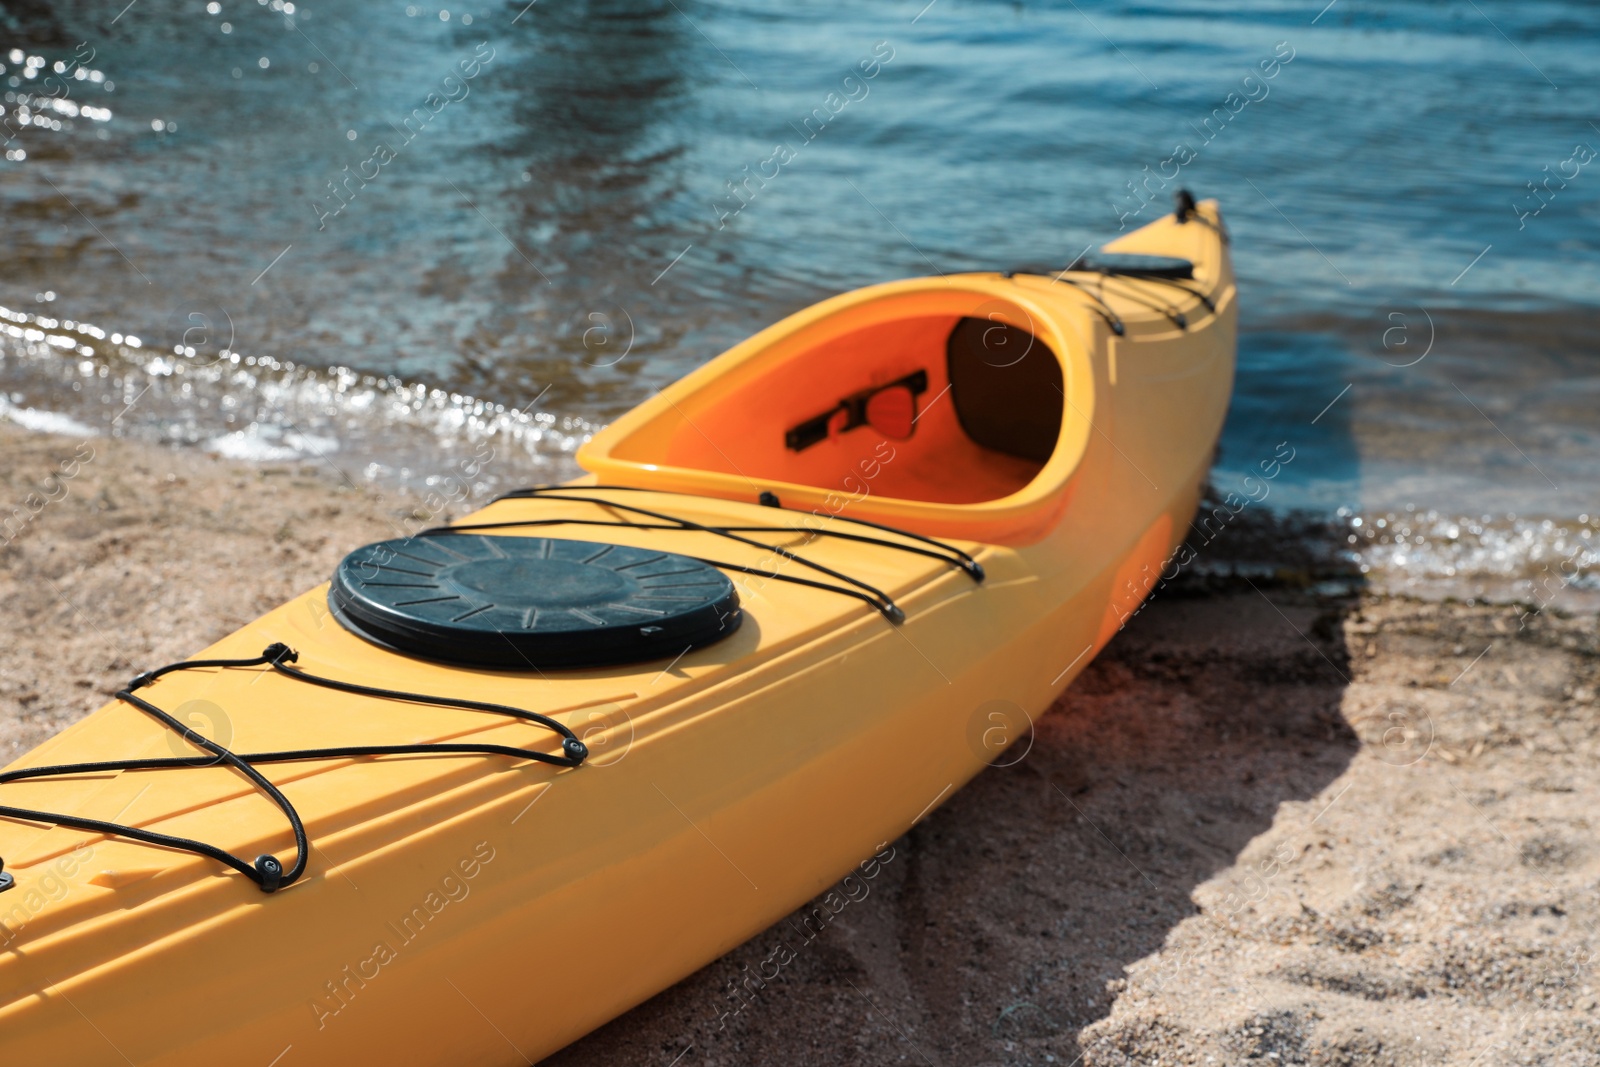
62, 376
1537, 560
44, 421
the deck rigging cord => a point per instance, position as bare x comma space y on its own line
1185, 210
267, 871
1126, 291
767, 499
862, 590
1104, 309
1178, 283
1100, 306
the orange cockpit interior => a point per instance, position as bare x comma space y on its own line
942, 408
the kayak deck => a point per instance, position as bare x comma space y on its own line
256, 710
736, 773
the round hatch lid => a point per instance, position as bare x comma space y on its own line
530, 603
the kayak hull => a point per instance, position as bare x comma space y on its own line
478, 911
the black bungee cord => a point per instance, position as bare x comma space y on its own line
862, 591
767, 499
1171, 311
1104, 309
1118, 327
1178, 283
267, 870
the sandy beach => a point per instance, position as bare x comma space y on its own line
1275, 822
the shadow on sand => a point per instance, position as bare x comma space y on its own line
1003, 927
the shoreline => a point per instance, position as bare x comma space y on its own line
1280, 819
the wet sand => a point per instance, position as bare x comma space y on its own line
1265, 826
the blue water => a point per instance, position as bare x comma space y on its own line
556, 234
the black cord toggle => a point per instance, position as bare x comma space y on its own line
1183, 202
278, 652
269, 873
576, 750
142, 680
7, 880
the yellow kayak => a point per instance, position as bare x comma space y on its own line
497, 783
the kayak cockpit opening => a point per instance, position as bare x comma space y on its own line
943, 407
